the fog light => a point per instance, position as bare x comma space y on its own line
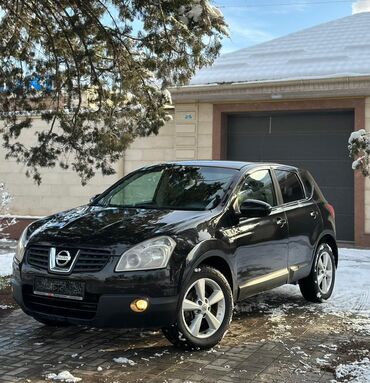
139, 305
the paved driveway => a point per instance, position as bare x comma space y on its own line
275, 337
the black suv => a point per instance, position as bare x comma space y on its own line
174, 245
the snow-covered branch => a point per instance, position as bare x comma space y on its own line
359, 151
5, 219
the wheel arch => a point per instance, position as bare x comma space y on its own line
329, 238
222, 266
215, 254
218, 262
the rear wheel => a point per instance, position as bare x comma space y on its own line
319, 285
204, 313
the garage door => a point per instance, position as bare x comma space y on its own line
314, 141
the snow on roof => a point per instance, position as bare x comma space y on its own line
340, 48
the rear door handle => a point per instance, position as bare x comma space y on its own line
281, 221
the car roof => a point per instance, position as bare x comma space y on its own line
238, 165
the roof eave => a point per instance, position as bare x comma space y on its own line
345, 86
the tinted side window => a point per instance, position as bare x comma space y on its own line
313, 190
259, 186
290, 186
307, 184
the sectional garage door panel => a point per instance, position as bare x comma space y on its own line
315, 141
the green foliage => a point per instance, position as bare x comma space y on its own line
104, 67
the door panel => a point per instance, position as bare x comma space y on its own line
261, 253
261, 244
305, 226
304, 222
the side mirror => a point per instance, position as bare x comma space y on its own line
253, 208
92, 199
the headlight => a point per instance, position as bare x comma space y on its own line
21, 246
151, 254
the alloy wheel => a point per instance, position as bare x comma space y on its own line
203, 308
324, 272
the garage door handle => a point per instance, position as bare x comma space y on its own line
281, 222
313, 214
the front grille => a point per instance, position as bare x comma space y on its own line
59, 306
89, 260
38, 256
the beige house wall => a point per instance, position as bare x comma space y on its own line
60, 189
150, 150
193, 129
187, 137
367, 182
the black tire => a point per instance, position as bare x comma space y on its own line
178, 333
309, 286
51, 323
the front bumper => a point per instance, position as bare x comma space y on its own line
106, 302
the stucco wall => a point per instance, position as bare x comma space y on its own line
60, 189
153, 149
187, 137
367, 182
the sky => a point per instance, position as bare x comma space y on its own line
255, 21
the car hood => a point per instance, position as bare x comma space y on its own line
109, 226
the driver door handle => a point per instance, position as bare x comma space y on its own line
281, 221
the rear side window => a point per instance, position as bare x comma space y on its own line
308, 185
290, 186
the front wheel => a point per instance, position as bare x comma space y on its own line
204, 313
319, 285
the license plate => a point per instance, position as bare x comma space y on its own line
59, 288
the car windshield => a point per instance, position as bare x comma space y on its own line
173, 187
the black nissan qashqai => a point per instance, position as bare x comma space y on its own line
174, 245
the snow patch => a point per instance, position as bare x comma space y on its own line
331, 347
357, 135
6, 261
356, 372
123, 360
360, 6
64, 376
357, 163
322, 361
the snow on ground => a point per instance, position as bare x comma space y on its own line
64, 376
6, 261
122, 360
352, 288
351, 293
355, 372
